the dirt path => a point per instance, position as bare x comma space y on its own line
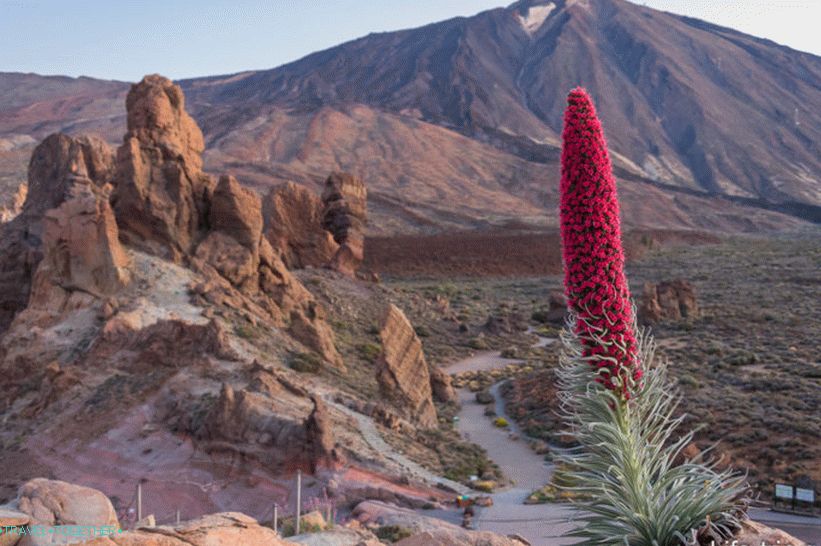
373, 437
541, 524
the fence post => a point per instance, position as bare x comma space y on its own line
276, 517
298, 499
139, 501
178, 516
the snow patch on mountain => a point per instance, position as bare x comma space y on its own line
535, 18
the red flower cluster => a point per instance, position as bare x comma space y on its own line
595, 283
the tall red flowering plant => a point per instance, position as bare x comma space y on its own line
595, 283
623, 469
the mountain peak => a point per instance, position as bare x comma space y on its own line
532, 15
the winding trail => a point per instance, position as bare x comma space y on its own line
541, 524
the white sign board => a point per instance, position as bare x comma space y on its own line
783, 491
805, 495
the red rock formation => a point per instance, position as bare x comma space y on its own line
233, 244
82, 251
161, 194
441, 387
320, 446
293, 225
345, 214
402, 370
170, 343
236, 248
668, 300
58, 165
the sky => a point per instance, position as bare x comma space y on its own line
125, 39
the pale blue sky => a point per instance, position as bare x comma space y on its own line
125, 39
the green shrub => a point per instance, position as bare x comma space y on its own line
484, 397
305, 362
479, 343
742, 358
245, 331
393, 533
540, 316
485, 486
511, 352
370, 351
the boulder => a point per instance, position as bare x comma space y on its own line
339, 536
344, 216
402, 371
53, 502
11, 517
161, 195
756, 533
440, 384
505, 322
557, 308
668, 300
211, 530
57, 166
427, 531
457, 537
293, 225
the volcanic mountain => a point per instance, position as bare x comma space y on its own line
456, 124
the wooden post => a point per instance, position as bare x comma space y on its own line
178, 516
298, 499
139, 501
276, 517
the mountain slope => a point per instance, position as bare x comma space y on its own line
708, 127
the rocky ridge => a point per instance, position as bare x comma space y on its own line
142, 299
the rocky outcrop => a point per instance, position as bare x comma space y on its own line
427, 531
236, 248
402, 371
345, 214
245, 422
668, 300
222, 528
11, 207
320, 447
753, 532
167, 343
233, 244
81, 250
11, 517
440, 384
53, 502
161, 194
505, 321
61, 167
557, 308
293, 225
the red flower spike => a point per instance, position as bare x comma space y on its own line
595, 283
